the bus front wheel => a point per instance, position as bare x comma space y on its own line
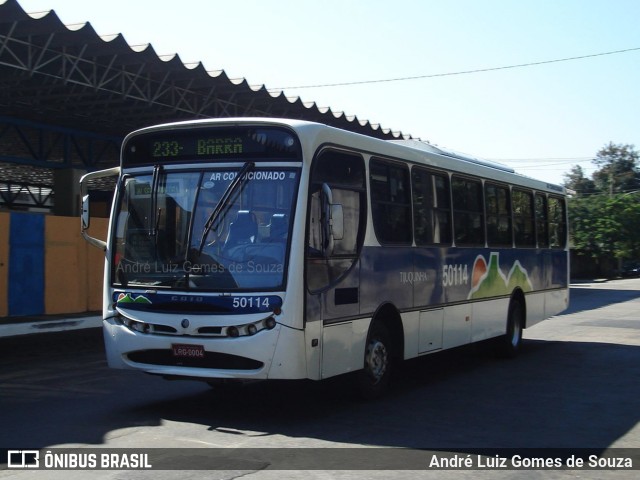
373, 379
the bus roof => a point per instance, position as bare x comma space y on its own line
484, 168
427, 147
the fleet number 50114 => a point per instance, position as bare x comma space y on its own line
251, 302
455, 274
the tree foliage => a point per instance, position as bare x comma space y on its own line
576, 181
604, 213
618, 172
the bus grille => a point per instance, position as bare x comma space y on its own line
223, 361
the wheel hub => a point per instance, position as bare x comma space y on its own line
377, 359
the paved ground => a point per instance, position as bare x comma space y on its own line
576, 385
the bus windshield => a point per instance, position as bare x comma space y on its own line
215, 229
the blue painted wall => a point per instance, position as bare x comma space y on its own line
26, 264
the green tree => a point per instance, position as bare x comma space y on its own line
604, 213
606, 227
576, 181
618, 169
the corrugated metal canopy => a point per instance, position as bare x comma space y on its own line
71, 77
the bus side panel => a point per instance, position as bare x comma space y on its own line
386, 277
343, 347
557, 268
431, 323
427, 277
290, 349
313, 336
329, 315
489, 319
472, 274
337, 341
555, 301
457, 325
535, 303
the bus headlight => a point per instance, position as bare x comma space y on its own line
250, 329
139, 327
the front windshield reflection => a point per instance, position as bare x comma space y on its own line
161, 239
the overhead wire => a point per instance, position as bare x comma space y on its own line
462, 72
564, 161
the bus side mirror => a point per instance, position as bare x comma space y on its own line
85, 215
337, 221
333, 220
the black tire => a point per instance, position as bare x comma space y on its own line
509, 345
373, 379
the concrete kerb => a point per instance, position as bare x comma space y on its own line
11, 327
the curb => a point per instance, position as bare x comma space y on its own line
46, 326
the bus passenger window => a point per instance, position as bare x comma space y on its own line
523, 220
557, 223
542, 232
468, 218
431, 207
498, 213
391, 202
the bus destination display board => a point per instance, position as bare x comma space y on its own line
210, 144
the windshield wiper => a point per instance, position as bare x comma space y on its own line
154, 213
238, 181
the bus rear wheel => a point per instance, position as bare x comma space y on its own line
510, 344
373, 379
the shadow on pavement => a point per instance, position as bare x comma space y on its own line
555, 395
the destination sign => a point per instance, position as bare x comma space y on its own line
211, 144
203, 147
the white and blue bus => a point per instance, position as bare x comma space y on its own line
246, 249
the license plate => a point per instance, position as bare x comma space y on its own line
187, 351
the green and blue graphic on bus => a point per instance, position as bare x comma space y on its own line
488, 280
